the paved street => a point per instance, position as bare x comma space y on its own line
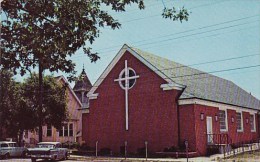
27, 160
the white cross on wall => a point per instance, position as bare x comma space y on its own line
126, 88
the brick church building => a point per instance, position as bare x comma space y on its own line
141, 97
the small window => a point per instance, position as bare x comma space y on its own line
252, 123
66, 131
61, 131
239, 122
222, 120
49, 131
70, 129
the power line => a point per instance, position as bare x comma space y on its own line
157, 15
208, 36
204, 27
199, 74
196, 64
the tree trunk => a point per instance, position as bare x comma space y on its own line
20, 137
40, 100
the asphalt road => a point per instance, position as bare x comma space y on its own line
29, 160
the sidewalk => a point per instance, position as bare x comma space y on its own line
119, 159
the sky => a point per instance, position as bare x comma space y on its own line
227, 30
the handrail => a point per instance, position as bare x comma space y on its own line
218, 139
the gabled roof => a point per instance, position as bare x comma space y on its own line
69, 87
202, 85
196, 84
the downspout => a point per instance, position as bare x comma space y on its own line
178, 116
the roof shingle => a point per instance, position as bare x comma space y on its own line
201, 84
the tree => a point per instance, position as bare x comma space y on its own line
54, 107
7, 99
16, 115
46, 32
20, 109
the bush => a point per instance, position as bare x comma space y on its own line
85, 147
70, 145
141, 151
171, 149
105, 151
122, 150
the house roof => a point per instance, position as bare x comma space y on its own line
69, 87
200, 84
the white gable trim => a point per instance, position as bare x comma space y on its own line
92, 96
70, 89
149, 65
221, 106
171, 86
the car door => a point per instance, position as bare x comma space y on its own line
4, 148
57, 148
15, 149
12, 149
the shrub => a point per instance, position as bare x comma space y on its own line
85, 147
105, 151
141, 151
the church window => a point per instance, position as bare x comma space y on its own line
252, 123
131, 82
65, 130
223, 120
49, 131
61, 131
70, 129
239, 122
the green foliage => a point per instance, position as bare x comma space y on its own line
48, 31
173, 14
19, 103
54, 108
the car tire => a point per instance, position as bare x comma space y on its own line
24, 154
7, 156
33, 159
65, 156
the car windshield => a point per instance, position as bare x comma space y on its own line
13, 145
45, 146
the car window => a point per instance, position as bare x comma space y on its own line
45, 146
4, 145
13, 145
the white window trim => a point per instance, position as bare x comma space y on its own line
68, 126
254, 130
226, 119
242, 122
120, 77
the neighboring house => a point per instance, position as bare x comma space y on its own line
71, 130
142, 97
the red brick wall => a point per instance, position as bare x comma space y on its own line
152, 112
247, 134
187, 126
201, 127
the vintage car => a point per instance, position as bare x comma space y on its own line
48, 150
11, 149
